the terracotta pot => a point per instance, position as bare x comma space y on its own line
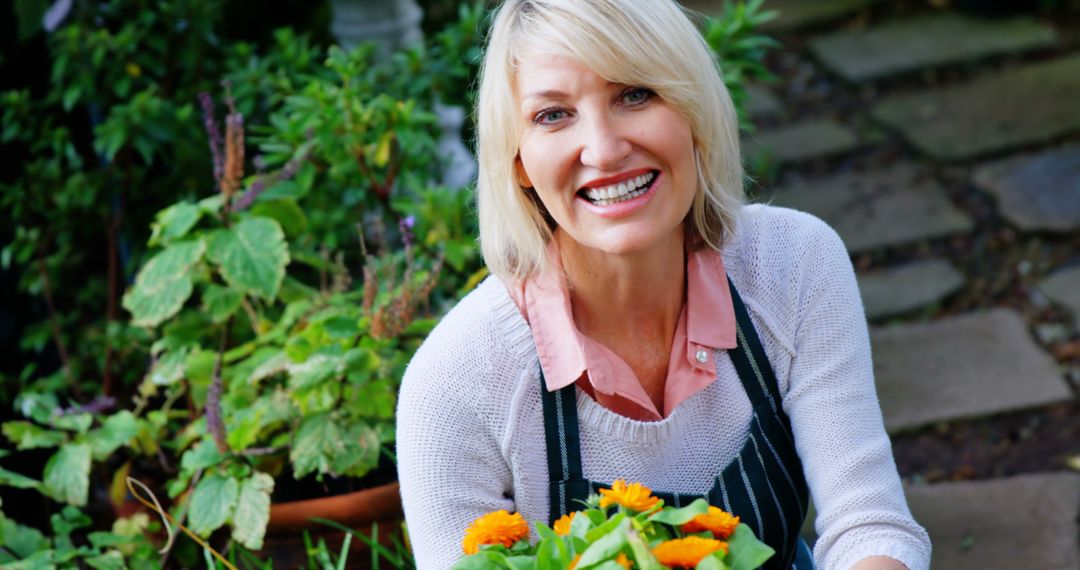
358, 510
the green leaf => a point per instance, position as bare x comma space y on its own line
117, 430
287, 213
253, 510
79, 422
318, 442
174, 222
283, 190
69, 520
169, 369
551, 551
606, 546
314, 371
21, 540
163, 284
677, 517
711, 562
204, 454
29, 14
212, 502
243, 425
361, 453
67, 474
643, 556
274, 364
252, 256
13, 479
221, 302
26, 435
111, 560
603, 528
746, 552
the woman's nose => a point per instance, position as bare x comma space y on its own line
605, 146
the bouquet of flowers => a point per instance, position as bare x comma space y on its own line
639, 533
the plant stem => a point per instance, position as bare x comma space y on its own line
54, 324
215, 424
112, 223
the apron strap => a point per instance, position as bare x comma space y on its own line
563, 448
749, 357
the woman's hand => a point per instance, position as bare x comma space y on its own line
879, 563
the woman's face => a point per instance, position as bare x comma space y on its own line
613, 164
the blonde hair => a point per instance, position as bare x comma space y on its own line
649, 43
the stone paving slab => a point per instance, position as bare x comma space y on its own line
961, 367
879, 208
760, 102
816, 138
913, 43
802, 13
1027, 521
902, 289
1014, 108
1063, 287
791, 14
1037, 192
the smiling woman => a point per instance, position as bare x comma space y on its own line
642, 323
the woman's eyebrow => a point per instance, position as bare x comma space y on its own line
555, 93
546, 94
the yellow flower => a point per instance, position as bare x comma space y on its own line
635, 496
717, 521
499, 527
562, 526
686, 552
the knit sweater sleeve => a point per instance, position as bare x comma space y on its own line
450, 465
836, 417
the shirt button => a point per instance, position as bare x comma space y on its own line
701, 356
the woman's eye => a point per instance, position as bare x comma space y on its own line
549, 116
637, 95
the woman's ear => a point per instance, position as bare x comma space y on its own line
522, 176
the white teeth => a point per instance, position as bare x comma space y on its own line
622, 191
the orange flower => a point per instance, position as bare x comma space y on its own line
717, 521
573, 563
635, 496
686, 552
499, 527
562, 526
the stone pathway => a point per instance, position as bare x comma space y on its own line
980, 145
1028, 521
961, 367
929, 41
905, 288
815, 138
1037, 192
879, 208
1015, 108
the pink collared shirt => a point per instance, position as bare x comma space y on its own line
706, 324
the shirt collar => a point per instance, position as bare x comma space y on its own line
561, 347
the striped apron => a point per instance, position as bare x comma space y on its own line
764, 485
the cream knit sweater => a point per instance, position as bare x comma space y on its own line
470, 436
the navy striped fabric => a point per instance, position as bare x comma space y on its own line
764, 485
